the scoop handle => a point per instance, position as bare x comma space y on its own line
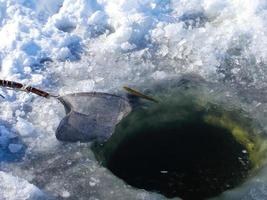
19, 86
37, 91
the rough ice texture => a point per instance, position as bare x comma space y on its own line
14, 188
66, 46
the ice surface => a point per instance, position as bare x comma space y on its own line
15, 188
66, 46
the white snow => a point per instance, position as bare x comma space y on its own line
24, 128
65, 46
14, 188
65, 194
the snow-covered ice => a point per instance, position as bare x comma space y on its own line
66, 46
16, 188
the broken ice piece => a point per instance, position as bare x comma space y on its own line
164, 172
12, 135
65, 194
14, 148
244, 151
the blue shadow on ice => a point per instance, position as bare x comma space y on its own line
12, 148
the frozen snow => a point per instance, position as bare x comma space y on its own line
65, 46
24, 127
14, 188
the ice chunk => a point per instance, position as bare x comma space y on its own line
65, 194
97, 18
15, 148
158, 75
14, 188
24, 127
31, 48
214, 8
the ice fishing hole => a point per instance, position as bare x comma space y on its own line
184, 151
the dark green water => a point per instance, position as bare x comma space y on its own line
176, 156
175, 148
192, 161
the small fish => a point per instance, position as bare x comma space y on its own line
139, 94
2, 96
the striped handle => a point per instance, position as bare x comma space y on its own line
19, 86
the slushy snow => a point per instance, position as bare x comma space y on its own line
65, 46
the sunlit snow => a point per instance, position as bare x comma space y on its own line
66, 46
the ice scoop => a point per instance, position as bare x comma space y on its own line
89, 116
